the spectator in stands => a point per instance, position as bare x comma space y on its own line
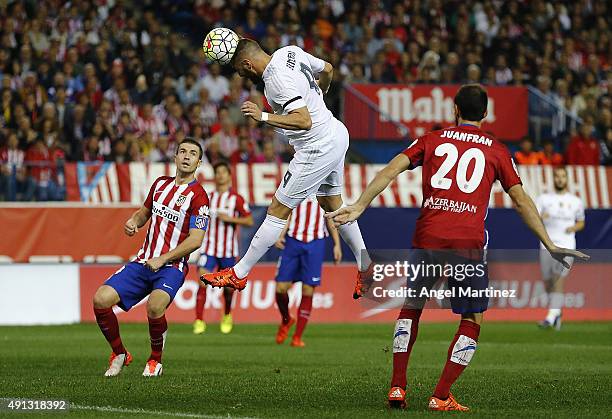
583, 148
606, 148
226, 137
548, 155
161, 153
216, 84
15, 184
244, 152
527, 155
268, 154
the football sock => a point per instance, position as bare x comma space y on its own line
351, 234
267, 234
227, 298
552, 314
460, 353
200, 302
157, 331
303, 315
107, 321
282, 301
406, 330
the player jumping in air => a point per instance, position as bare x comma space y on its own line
178, 209
320, 142
303, 245
563, 216
228, 211
460, 165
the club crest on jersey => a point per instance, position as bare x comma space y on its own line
181, 200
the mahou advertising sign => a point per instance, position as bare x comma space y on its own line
422, 107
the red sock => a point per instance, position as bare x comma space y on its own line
227, 296
303, 315
157, 331
282, 301
107, 321
403, 340
200, 301
460, 353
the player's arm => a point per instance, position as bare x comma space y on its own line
137, 220
325, 77
246, 221
191, 243
297, 119
527, 210
333, 232
579, 226
383, 178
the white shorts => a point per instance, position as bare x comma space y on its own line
551, 268
315, 168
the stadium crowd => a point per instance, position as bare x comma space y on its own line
123, 81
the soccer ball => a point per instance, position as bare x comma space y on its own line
220, 45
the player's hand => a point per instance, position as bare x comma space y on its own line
250, 109
280, 243
224, 217
559, 253
155, 264
130, 228
345, 215
337, 254
570, 230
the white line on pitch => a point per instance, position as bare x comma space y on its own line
149, 412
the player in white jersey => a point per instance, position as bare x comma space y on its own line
563, 216
228, 211
303, 245
294, 84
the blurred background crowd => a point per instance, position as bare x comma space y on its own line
125, 81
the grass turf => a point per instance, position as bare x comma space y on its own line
344, 371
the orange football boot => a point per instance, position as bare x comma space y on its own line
364, 282
446, 405
283, 330
397, 398
224, 278
297, 342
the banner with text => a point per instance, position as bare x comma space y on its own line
130, 182
421, 107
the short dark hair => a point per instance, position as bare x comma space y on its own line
245, 47
191, 141
222, 163
472, 101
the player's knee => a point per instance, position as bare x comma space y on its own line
155, 309
307, 290
279, 210
105, 297
330, 203
282, 287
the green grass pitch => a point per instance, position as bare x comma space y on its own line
344, 371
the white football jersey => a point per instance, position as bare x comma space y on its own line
560, 211
289, 84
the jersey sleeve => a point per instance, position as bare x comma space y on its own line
315, 63
199, 212
507, 173
284, 91
415, 152
148, 203
242, 208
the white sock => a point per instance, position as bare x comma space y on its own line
351, 234
265, 237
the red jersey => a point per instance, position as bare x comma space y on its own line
307, 222
460, 165
221, 240
174, 210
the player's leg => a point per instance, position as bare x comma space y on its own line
124, 288
555, 300
459, 355
206, 264
227, 322
165, 284
287, 271
311, 261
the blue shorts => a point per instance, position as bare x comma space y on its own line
301, 262
211, 262
134, 281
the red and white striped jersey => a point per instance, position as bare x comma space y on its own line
221, 240
307, 222
174, 210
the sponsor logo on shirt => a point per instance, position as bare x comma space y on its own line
445, 204
163, 211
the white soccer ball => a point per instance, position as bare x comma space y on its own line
220, 45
